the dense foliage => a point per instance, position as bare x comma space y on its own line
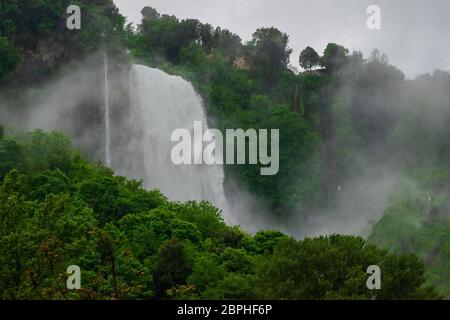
418, 221
336, 121
253, 86
32, 28
59, 210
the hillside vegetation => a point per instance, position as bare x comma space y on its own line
344, 119
58, 210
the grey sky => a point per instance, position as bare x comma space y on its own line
414, 34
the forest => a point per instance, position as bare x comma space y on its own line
57, 209
346, 122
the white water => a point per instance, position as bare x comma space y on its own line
159, 104
107, 112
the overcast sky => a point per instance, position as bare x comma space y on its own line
414, 34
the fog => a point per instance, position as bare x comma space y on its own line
403, 122
70, 102
405, 126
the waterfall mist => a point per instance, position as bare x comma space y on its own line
107, 112
126, 118
160, 104
71, 101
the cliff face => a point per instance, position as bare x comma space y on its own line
56, 78
39, 64
53, 88
37, 32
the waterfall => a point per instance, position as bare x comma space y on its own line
107, 112
159, 104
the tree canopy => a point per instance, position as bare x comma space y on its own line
58, 210
309, 58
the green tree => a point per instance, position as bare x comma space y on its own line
309, 58
335, 268
227, 43
334, 57
11, 156
269, 53
172, 267
193, 56
206, 272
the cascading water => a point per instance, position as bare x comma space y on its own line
107, 112
160, 104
